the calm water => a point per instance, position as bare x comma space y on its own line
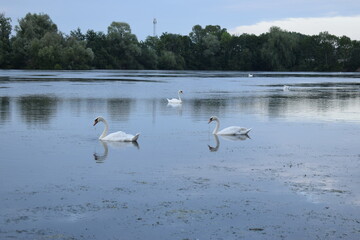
295, 177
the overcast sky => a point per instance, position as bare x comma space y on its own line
338, 17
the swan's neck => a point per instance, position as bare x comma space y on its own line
179, 96
217, 126
104, 133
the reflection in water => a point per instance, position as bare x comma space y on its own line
4, 108
119, 108
227, 137
93, 105
37, 109
241, 137
208, 106
116, 145
313, 101
214, 149
177, 106
100, 158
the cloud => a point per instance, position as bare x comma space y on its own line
338, 25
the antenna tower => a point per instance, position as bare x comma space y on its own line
154, 22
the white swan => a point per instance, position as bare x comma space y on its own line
286, 88
233, 130
175, 100
116, 136
250, 75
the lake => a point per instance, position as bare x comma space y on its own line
296, 176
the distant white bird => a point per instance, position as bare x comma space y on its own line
250, 75
116, 136
175, 100
233, 130
286, 88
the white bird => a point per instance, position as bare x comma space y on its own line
175, 100
250, 75
286, 88
233, 130
116, 136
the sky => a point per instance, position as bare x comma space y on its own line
338, 17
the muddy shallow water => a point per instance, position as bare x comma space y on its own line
295, 177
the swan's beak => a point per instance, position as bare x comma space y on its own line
210, 120
95, 122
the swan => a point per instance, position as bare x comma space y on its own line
250, 75
286, 88
175, 100
116, 136
233, 130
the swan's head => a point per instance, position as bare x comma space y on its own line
97, 120
213, 118
180, 91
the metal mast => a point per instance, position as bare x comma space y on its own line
154, 22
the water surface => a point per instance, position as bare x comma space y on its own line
295, 177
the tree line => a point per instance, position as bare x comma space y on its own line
38, 44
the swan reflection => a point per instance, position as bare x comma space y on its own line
174, 105
177, 107
214, 149
99, 158
226, 137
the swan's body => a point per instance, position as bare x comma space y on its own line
233, 130
286, 88
116, 136
250, 75
176, 100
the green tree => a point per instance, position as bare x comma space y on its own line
169, 61
179, 45
5, 47
343, 52
78, 35
279, 51
207, 49
35, 26
325, 52
149, 53
306, 55
76, 55
354, 57
241, 54
99, 44
34, 32
123, 46
47, 51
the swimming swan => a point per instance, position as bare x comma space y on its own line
233, 130
175, 100
116, 136
286, 88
